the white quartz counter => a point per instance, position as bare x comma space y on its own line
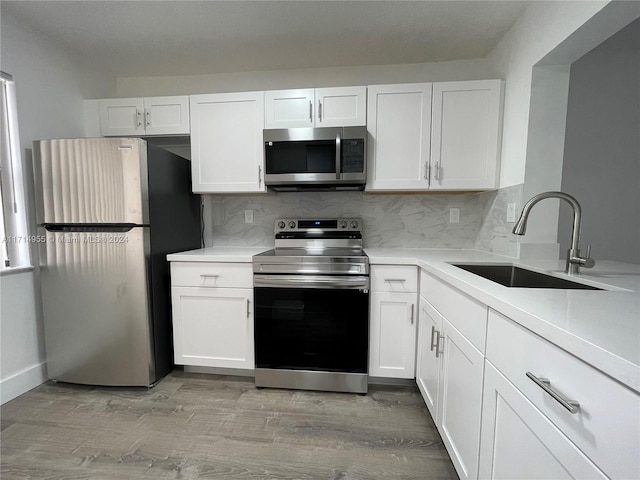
600, 327
218, 254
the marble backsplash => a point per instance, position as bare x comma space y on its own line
495, 234
409, 221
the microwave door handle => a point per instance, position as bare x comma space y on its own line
338, 156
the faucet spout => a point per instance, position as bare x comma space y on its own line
574, 261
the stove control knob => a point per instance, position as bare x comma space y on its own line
292, 224
343, 224
354, 224
281, 224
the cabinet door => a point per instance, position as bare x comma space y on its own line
166, 115
289, 108
227, 150
213, 327
392, 337
428, 366
341, 107
399, 125
460, 400
121, 117
518, 441
465, 138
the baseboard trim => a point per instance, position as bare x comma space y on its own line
22, 382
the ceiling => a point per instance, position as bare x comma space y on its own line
187, 37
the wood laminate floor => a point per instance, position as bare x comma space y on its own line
201, 426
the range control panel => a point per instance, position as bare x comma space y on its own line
325, 225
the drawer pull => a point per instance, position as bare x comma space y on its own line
545, 384
395, 280
209, 276
413, 307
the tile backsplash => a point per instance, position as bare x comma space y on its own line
409, 221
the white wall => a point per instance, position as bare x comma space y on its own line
50, 88
603, 143
304, 78
542, 27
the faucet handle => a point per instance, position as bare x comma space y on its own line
588, 261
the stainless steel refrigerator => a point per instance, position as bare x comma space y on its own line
109, 210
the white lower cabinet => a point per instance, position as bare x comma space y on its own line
393, 321
519, 442
449, 376
212, 317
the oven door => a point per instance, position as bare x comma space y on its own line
312, 323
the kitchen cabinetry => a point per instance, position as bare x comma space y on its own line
144, 116
392, 322
450, 371
440, 136
212, 314
319, 107
520, 442
600, 435
227, 151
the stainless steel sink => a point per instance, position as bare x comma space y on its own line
511, 275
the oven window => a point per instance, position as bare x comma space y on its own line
312, 329
318, 156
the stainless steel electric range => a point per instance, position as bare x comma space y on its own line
311, 297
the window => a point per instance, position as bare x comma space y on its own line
15, 237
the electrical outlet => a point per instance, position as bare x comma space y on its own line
511, 212
248, 216
454, 215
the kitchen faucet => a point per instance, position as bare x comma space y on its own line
574, 260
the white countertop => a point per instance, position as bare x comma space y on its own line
218, 254
600, 327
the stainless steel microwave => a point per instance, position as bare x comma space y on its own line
315, 159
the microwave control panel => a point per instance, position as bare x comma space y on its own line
353, 156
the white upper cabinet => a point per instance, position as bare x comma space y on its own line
465, 135
320, 107
440, 136
227, 152
144, 116
399, 126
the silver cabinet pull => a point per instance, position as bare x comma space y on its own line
259, 176
138, 118
439, 349
571, 405
147, 117
436, 172
320, 110
426, 170
248, 308
412, 312
433, 334
395, 279
310, 112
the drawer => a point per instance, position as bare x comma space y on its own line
467, 314
394, 278
211, 274
606, 425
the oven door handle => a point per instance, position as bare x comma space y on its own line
357, 282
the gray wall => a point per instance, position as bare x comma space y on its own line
601, 165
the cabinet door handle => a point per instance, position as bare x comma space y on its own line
259, 176
319, 110
439, 349
436, 172
248, 308
433, 334
426, 170
413, 307
138, 118
395, 280
147, 114
571, 405
310, 112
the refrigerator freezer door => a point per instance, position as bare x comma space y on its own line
91, 180
96, 307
